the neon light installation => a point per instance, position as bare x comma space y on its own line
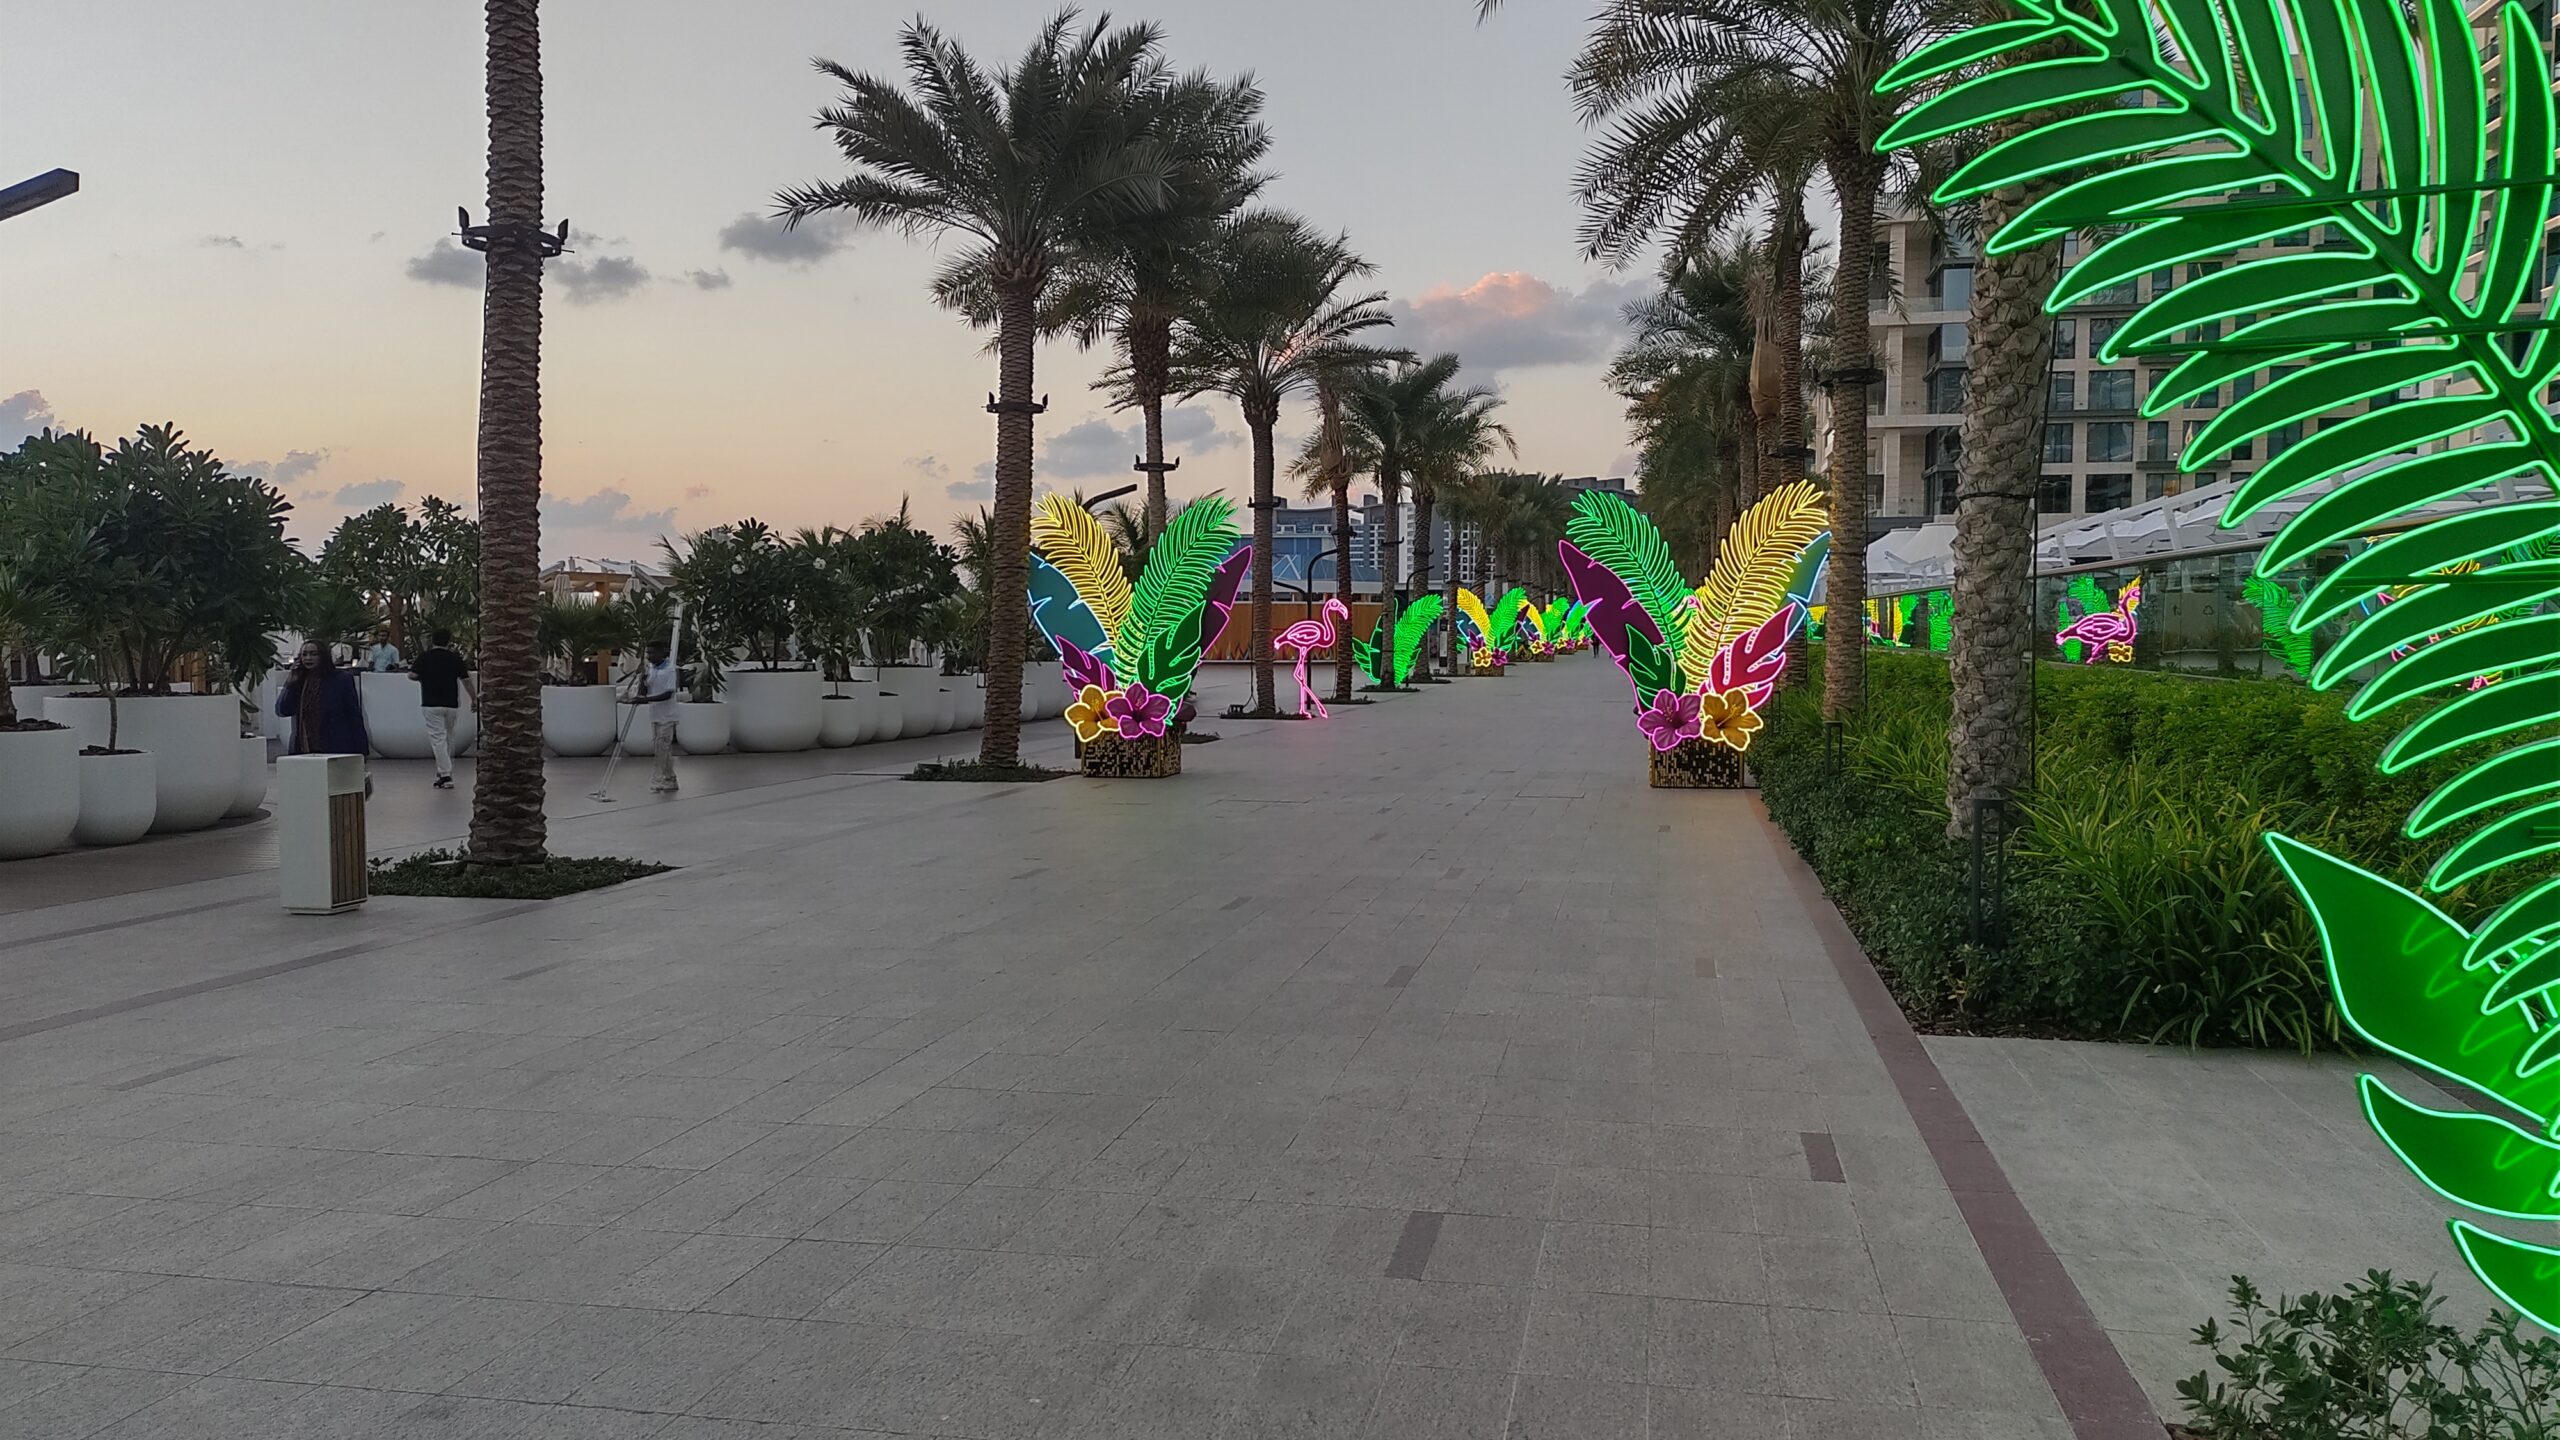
1130, 654
2377, 145
1304, 637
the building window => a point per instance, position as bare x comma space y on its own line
2110, 389
1954, 289
2209, 400
2053, 495
2057, 444
1946, 391
2163, 280
2111, 440
2061, 395
2109, 492
2155, 440
2102, 328
2066, 339
2156, 484
1875, 494
1947, 344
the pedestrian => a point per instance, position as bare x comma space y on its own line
443, 677
326, 708
386, 656
658, 692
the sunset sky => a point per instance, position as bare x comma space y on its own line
259, 250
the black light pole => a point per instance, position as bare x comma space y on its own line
46, 188
1092, 501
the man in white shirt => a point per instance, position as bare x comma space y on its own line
658, 692
385, 657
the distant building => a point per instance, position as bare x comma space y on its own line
583, 577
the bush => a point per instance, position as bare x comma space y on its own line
2141, 903
2372, 1364
447, 874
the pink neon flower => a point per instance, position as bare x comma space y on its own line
1139, 713
1670, 719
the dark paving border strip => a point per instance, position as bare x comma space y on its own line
2097, 1392
174, 1071
242, 977
1413, 1247
1822, 1157
42, 937
1403, 976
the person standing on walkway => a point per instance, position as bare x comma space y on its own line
386, 656
658, 692
443, 677
326, 708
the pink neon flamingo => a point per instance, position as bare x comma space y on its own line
2108, 634
1310, 635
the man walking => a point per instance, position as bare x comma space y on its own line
658, 692
385, 656
443, 677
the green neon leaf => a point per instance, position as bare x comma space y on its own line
2356, 443
2531, 916
2072, 143
2321, 388
2468, 1158
1411, 626
2126, 193
2525, 1276
2521, 836
1180, 565
1173, 657
2253, 287
2519, 704
1617, 535
2363, 504
1653, 667
2038, 85
2447, 542
1964, 50
2456, 659
2200, 234
2426, 611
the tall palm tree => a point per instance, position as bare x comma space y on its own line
507, 826
1383, 408
1331, 456
1456, 438
1686, 374
1269, 321
1050, 157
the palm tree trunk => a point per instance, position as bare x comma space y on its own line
1423, 499
507, 826
1338, 479
1449, 590
1010, 523
1391, 542
1260, 417
1150, 351
1788, 243
1747, 460
1990, 659
1855, 178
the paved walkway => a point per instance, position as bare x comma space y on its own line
1415, 1074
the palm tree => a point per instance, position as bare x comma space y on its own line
1269, 321
1383, 409
507, 826
1455, 436
1331, 456
1040, 161
1686, 375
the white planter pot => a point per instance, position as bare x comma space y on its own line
919, 700
888, 713
973, 703
775, 710
580, 719
196, 739
30, 698
397, 724
846, 719
40, 773
119, 794
253, 779
946, 709
701, 729
1042, 690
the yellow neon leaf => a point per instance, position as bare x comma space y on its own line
1075, 542
1749, 581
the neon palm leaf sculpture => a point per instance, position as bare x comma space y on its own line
1702, 661
1387, 656
2276, 602
1130, 654
1507, 623
1537, 628
2202, 128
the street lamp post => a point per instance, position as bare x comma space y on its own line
46, 188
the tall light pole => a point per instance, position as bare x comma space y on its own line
46, 188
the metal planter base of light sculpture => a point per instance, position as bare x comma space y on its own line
1695, 765
1155, 757
1486, 669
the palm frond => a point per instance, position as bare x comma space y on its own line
1411, 626
1753, 568
1620, 538
1073, 540
1181, 565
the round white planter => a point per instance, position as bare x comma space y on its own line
196, 739
40, 773
253, 779
30, 698
396, 723
118, 796
580, 719
946, 709
1038, 678
846, 719
775, 710
701, 729
888, 713
973, 702
919, 700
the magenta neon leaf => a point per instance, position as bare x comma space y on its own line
1613, 608
1222, 594
1079, 668
1753, 660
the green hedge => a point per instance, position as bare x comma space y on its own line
2141, 902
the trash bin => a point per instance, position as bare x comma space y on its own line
320, 856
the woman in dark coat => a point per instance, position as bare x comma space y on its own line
324, 705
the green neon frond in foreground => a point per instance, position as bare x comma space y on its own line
2373, 204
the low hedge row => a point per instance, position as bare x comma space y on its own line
2140, 901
